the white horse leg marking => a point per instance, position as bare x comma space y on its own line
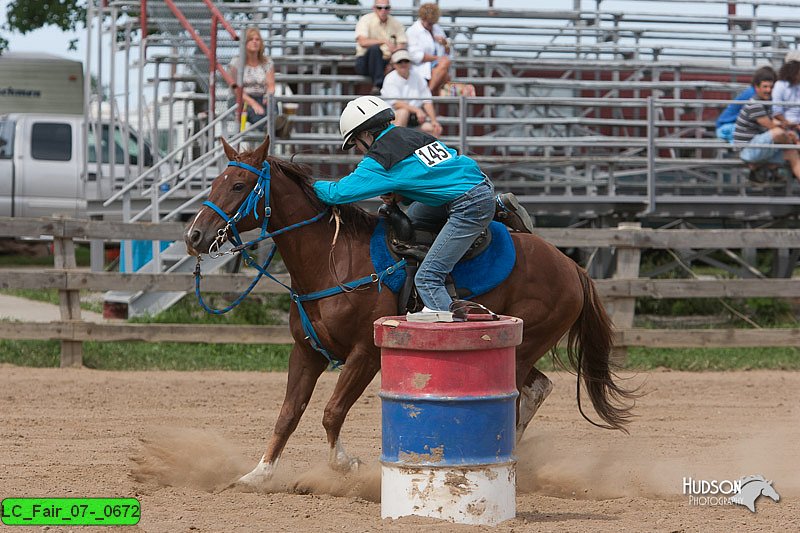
531, 399
259, 475
340, 461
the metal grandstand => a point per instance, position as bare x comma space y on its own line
592, 112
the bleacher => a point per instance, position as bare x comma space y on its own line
586, 111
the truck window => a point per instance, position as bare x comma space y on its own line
133, 148
6, 139
51, 141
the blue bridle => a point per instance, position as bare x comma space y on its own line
250, 205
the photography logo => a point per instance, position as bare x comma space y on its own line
744, 491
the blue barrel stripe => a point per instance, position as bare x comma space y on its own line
448, 431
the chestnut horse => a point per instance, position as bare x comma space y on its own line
547, 290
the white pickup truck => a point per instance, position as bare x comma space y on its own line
42, 165
45, 168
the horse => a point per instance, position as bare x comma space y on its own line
551, 294
751, 488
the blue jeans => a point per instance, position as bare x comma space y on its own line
761, 155
372, 64
464, 219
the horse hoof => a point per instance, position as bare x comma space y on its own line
347, 466
258, 477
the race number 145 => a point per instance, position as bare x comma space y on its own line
432, 154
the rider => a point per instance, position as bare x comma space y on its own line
410, 165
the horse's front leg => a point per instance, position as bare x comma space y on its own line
362, 365
305, 367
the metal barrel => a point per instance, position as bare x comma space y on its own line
448, 394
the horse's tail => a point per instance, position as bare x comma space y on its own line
589, 345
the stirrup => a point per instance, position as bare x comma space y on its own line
461, 309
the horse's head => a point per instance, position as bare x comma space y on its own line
234, 201
769, 491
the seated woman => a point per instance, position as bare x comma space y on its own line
258, 78
787, 89
430, 53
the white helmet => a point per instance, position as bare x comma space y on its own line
361, 114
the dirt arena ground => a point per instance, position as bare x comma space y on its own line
173, 439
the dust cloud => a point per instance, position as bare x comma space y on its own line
203, 460
608, 468
549, 466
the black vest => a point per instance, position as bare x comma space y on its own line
396, 145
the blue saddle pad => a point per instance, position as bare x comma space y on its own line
478, 275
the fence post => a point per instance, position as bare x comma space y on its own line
651, 155
69, 301
627, 268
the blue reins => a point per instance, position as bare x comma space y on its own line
250, 205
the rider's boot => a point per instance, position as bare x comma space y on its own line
511, 213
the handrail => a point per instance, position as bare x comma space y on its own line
170, 155
212, 155
225, 24
200, 44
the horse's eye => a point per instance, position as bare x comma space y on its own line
238, 187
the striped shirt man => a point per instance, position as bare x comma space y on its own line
747, 125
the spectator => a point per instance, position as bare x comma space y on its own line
429, 48
755, 126
726, 123
409, 95
787, 89
378, 34
430, 53
258, 78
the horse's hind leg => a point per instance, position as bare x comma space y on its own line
532, 394
305, 367
361, 367
533, 386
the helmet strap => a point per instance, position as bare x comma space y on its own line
359, 139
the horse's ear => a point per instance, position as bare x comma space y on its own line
260, 153
229, 150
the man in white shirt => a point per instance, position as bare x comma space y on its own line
378, 34
410, 96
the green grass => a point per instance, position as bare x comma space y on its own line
270, 309
152, 356
273, 358
700, 359
82, 255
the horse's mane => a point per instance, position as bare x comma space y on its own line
354, 219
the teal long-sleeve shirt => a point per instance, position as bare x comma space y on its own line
433, 175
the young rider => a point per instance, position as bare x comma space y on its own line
401, 163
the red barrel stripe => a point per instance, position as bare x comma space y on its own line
420, 373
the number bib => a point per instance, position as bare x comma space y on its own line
432, 154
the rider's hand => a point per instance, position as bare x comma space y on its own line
390, 198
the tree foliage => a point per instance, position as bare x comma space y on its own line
27, 15
23, 16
